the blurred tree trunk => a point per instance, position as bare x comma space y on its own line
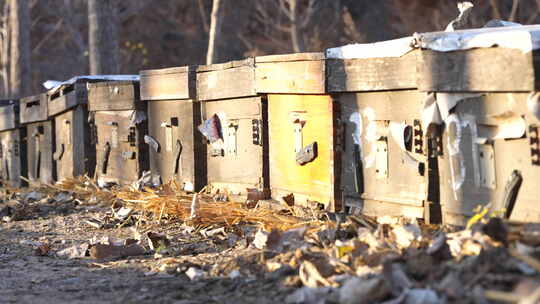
296, 36
215, 32
103, 37
19, 73
4, 50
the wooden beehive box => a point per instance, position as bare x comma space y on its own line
177, 150
12, 145
384, 165
302, 131
488, 105
39, 139
74, 155
237, 157
119, 124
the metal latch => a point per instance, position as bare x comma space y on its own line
298, 138
216, 152
231, 140
381, 159
168, 136
93, 129
128, 155
152, 142
105, 158
256, 132
16, 148
358, 169
37, 153
58, 154
68, 126
418, 142
132, 137
341, 134
177, 165
487, 166
114, 134
534, 140
307, 154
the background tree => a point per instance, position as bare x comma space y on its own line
19, 49
165, 33
103, 37
215, 31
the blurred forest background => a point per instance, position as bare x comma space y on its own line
41, 40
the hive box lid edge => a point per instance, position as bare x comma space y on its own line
33, 108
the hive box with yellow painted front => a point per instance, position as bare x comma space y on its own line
73, 154
39, 140
385, 167
119, 124
235, 128
490, 117
12, 145
302, 131
177, 150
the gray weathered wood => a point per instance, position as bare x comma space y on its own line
117, 95
169, 83
181, 118
67, 98
13, 157
404, 183
302, 73
374, 74
477, 70
290, 57
33, 108
114, 129
9, 115
228, 80
73, 138
246, 168
39, 142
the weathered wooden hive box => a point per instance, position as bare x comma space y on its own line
484, 85
39, 138
235, 128
385, 163
303, 150
119, 124
177, 150
12, 145
74, 155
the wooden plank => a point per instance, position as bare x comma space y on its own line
315, 180
67, 98
179, 120
404, 183
374, 74
227, 83
115, 96
245, 168
170, 83
476, 70
13, 158
226, 65
298, 77
9, 117
290, 57
114, 130
73, 138
33, 109
40, 140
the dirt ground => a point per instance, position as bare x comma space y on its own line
89, 245
28, 278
